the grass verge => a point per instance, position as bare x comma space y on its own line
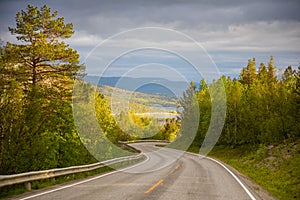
274, 167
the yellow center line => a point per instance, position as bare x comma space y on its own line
172, 171
160, 181
154, 186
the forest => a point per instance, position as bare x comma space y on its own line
37, 129
262, 107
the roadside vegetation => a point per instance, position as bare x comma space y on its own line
37, 129
260, 136
274, 167
13, 190
261, 133
37, 74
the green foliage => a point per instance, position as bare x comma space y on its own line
107, 122
169, 131
133, 122
274, 167
261, 107
37, 130
261, 127
36, 127
42, 58
189, 117
248, 74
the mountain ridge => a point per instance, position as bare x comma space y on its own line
143, 85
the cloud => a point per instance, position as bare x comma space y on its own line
83, 38
255, 37
228, 29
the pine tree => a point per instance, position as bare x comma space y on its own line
262, 73
272, 78
248, 73
40, 71
42, 58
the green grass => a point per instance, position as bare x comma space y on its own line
274, 167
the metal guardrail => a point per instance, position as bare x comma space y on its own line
137, 141
27, 177
125, 143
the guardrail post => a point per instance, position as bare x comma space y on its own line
27, 177
28, 185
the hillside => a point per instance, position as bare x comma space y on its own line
274, 167
139, 102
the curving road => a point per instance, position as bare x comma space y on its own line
165, 174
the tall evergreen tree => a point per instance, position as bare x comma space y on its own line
263, 73
40, 69
42, 57
248, 74
272, 78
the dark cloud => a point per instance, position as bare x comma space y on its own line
117, 15
221, 25
92, 15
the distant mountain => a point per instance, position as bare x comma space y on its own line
120, 97
143, 85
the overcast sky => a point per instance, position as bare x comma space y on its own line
231, 31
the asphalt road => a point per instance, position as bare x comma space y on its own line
165, 174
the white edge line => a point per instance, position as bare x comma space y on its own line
230, 172
147, 158
91, 179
